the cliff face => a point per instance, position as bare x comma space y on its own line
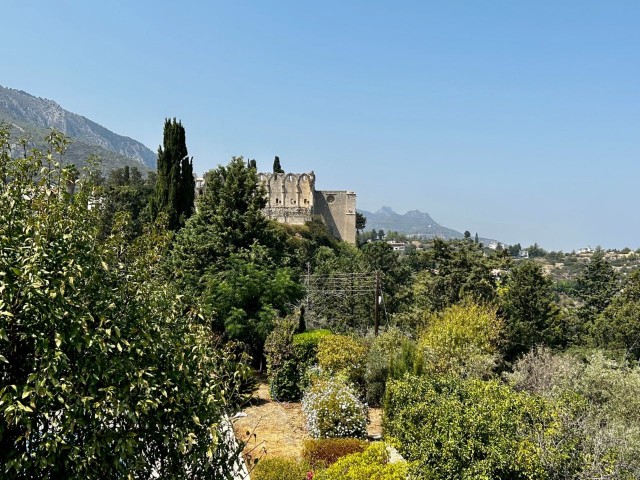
33, 115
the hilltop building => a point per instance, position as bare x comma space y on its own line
292, 198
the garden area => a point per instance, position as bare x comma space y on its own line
310, 417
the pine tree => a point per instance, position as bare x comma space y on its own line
531, 315
596, 286
175, 184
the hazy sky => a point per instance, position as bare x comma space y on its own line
516, 120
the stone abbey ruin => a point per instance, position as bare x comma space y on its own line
292, 198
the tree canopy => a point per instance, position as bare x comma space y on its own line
175, 186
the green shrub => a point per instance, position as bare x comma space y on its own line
333, 410
454, 428
325, 451
373, 463
343, 355
280, 469
284, 382
462, 339
386, 350
280, 366
288, 357
305, 353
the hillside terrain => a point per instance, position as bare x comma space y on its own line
33, 117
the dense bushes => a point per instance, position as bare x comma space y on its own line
610, 394
454, 428
103, 374
333, 409
289, 355
461, 340
325, 451
305, 352
372, 464
343, 355
276, 468
387, 356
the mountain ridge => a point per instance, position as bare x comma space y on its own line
34, 116
412, 223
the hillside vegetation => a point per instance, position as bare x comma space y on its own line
127, 339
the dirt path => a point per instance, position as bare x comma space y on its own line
277, 429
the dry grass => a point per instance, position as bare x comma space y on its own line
277, 429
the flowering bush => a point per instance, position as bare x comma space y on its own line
332, 409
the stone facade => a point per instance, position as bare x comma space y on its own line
293, 198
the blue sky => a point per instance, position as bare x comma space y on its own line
516, 120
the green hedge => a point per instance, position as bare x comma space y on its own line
454, 428
289, 355
322, 452
373, 463
277, 468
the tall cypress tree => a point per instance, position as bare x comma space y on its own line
276, 165
175, 184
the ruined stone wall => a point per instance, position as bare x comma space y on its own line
338, 210
289, 196
292, 198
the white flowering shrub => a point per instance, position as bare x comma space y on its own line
333, 410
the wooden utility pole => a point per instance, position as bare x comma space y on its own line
376, 307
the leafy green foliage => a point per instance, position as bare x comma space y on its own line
323, 452
449, 272
596, 286
384, 356
618, 327
607, 393
332, 409
469, 429
277, 168
288, 358
282, 368
126, 191
462, 340
343, 355
531, 316
361, 222
247, 296
395, 275
102, 373
276, 468
228, 220
373, 463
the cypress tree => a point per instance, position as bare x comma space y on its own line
175, 183
276, 165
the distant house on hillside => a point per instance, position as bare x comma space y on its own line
397, 246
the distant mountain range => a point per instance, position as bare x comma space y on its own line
33, 117
414, 223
